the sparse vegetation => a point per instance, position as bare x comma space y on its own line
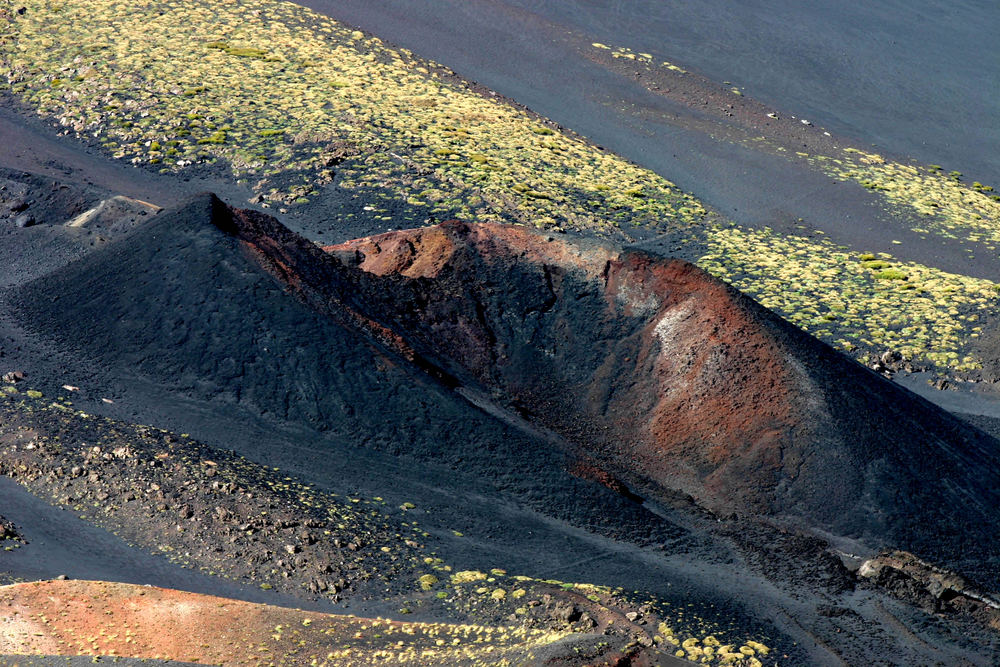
419, 136
289, 66
944, 205
861, 304
123, 477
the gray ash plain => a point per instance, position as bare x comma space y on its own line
406, 436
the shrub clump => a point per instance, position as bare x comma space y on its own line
214, 138
875, 264
238, 51
891, 274
467, 577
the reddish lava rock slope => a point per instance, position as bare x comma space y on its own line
654, 372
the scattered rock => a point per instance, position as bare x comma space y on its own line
8, 531
566, 611
936, 589
890, 357
14, 376
833, 611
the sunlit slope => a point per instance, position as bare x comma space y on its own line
296, 106
105, 618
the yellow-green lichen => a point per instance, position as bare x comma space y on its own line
298, 93
857, 303
942, 205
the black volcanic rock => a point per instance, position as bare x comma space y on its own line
185, 300
27, 199
223, 305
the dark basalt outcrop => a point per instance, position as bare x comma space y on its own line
517, 356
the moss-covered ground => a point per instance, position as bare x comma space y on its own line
293, 104
274, 89
942, 202
859, 302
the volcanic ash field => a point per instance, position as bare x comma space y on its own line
314, 352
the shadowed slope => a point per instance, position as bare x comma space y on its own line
199, 299
673, 380
618, 364
229, 306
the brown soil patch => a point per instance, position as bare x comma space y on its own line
102, 618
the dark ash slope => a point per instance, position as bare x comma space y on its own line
572, 378
644, 374
229, 307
